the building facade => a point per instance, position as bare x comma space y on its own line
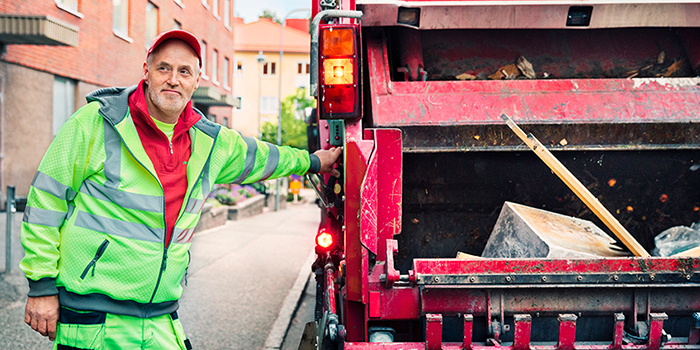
54, 52
257, 69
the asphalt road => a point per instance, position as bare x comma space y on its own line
239, 277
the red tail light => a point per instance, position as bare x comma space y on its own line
324, 239
339, 77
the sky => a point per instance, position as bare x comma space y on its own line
250, 9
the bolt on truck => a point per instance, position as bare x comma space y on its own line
414, 91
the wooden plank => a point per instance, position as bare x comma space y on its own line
579, 189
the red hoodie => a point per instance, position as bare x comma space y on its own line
169, 161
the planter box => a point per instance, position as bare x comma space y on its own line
212, 217
247, 208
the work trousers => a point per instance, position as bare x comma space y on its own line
90, 330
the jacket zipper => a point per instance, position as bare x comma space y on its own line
163, 263
165, 245
93, 263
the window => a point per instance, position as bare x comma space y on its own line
239, 68
204, 2
308, 69
176, 24
225, 123
215, 8
227, 62
302, 68
227, 13
214, 66
240, 104
212, 118
70, 6
268, 68
268, 104
63, 101
120, 17
204, 59
151, 22
179, 3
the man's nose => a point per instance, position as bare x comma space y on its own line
173, 79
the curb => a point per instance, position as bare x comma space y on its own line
289, 306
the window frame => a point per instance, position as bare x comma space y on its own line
204, 60
69, 95
226, 74
117, 31
73, 11
157, 23
215, 66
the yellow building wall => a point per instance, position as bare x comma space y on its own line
250, 84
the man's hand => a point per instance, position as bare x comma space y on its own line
328, 157
41, 314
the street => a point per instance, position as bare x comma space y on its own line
239, 279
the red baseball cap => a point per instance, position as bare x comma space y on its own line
185, 36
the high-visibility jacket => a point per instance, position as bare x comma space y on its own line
94, 226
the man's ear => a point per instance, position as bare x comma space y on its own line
145, 70
196, 85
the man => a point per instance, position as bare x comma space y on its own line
112, 209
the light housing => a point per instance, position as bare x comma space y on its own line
324, 240
339, 78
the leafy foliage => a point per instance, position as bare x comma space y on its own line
293, 121
232, 194
271, 15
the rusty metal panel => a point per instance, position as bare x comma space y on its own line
355, 169
530, 14
558, 137
390, 186
588, 300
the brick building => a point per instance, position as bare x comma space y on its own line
54, 52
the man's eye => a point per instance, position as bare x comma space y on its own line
162, 69
184, 71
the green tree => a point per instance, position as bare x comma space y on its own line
293, 121
271, 15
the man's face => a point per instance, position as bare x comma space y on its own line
171, 78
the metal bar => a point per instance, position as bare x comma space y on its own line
433, 332
523, 327
330, 291
579, 189
694, 336
567, 331
619, 331
468, 330
656, 330
481, 346
10, 209
315, 185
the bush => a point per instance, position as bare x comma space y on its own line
232, 194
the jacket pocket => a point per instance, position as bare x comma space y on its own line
93, 262
80, 330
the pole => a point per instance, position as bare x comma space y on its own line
279, 95
579, 189
10, 208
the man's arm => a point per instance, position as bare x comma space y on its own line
55, 185
250, 160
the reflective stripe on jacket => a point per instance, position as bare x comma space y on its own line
94, 226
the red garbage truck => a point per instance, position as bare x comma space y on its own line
414, 91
